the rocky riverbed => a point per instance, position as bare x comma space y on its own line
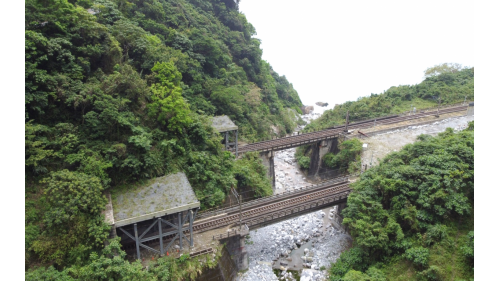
378, 146
307, 244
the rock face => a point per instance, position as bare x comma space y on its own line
307, 109
322, 104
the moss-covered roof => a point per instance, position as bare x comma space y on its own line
223, 124
159, 196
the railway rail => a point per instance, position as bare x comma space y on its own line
298, 140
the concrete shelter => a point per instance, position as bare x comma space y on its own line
224, 125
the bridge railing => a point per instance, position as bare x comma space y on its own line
211, 212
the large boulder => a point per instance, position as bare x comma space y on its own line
307, 109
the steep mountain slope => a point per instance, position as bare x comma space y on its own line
117, 92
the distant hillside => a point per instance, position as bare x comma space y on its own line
451, 85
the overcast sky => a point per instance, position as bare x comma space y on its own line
334, 51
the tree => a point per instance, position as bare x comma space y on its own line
168, 106
442, 68
72, 193
112, 265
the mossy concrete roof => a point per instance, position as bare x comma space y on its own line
223, 124
160, 196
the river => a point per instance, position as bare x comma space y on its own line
306, 245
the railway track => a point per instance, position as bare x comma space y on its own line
278, 197
266, 209
270, 209
306, 138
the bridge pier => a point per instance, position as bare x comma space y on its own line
268, 161
338, 219
237, 249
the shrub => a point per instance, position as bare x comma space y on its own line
418, 255
432, 273
304, 162
436, 233
351, 259
354, 275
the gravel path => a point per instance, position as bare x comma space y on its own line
382, 144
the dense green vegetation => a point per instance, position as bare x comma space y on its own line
348, 159
112, 265
411, 217
450, 83
121, 91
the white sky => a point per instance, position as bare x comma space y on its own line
334, 51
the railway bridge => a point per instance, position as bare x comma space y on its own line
335, 132
269, 210
326, 139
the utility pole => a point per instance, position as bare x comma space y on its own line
465, 99
346, 120
240, 210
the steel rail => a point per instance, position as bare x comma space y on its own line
320, 134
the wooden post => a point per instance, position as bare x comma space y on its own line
191, 242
